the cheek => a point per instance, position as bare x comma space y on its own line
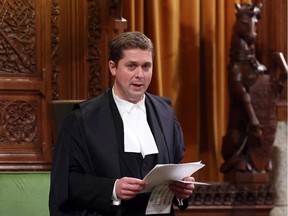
123, 77
148, 77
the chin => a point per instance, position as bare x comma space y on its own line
136, 97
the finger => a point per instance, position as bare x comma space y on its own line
183, 185
134, 181
190, 178
183, 194
135, 187
181, 190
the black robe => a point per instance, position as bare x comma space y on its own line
89, 156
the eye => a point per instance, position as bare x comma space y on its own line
131, 66
146, 67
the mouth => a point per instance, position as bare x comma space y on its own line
137, 84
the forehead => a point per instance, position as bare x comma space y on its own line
137, 55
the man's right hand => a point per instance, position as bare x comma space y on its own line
127, 187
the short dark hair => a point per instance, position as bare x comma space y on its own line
128, 40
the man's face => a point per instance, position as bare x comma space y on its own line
133, 74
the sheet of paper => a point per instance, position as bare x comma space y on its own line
167, 172
196, 183
160, 200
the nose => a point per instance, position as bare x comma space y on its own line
139, 72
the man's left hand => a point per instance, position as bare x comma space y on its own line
182, 190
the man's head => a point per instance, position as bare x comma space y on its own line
131, 65
128, 40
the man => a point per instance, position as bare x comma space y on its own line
109, 143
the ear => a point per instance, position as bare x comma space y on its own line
112, 67
237, 6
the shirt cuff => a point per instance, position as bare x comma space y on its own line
180, 202
115, 200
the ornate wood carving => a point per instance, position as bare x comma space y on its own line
17, 37
104, 23
228, 194
254, 90
55, 40
94, 49
22, 134
24, 85
19, 122
220, 199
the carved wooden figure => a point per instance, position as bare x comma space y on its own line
247, 145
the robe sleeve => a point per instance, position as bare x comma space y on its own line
179, 146
73, 179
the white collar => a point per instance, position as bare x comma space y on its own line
126, 106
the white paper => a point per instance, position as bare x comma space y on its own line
195, 182
160, 200
170, 172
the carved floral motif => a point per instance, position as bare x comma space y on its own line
18, 122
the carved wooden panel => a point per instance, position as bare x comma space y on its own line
49, 50
19, 122
20, 129
18, 42
24, 85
